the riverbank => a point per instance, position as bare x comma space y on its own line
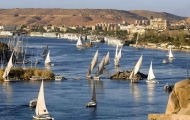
159, 48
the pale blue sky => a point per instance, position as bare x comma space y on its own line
177, 7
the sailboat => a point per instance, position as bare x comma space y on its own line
93, 102
7, 70
107, 59
79, 44
117, 56
92, 65
99, 70
170, 56
151, 77
48, 61
41, 110
137, 67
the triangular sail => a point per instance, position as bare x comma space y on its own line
107, 59
41, 106
79, 42
100, 68
94, 61
150, 73
138, 65
47, 60
94, 93
170, 53
119, 54
9, 66
131, 75
136, 68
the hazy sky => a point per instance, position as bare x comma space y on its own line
177, 7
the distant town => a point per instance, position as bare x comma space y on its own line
154, 33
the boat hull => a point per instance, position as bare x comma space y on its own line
49, 64
164, 61
11, 80
171, 58
80, 47
36, 78
59, 78
88, 77
152, 81
96, 78
43, 117
91, 104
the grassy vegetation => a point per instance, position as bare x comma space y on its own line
25, 74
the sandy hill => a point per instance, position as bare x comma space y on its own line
71, 17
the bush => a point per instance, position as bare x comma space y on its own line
26, 74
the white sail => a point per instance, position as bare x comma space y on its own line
79, 42
47, 60
107, 59
93, 63
150, 73
138, 65
100, 68
170, 53
117, 56
136, 68
132, 75
41, 106
9, 66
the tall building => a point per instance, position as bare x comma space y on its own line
158, 23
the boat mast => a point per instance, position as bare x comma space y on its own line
94, 93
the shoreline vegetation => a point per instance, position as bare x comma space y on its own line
26, 74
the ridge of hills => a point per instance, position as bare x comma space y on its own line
73, 17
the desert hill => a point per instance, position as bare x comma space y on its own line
72, 17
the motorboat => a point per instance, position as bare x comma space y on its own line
164, 61
33, 103
59, 78
38, 78
167, 87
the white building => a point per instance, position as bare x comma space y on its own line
6, 33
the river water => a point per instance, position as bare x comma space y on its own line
117, 99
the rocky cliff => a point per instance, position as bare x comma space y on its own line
179, 99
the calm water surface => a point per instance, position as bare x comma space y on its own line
117, 99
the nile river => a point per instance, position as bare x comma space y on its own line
116, 99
